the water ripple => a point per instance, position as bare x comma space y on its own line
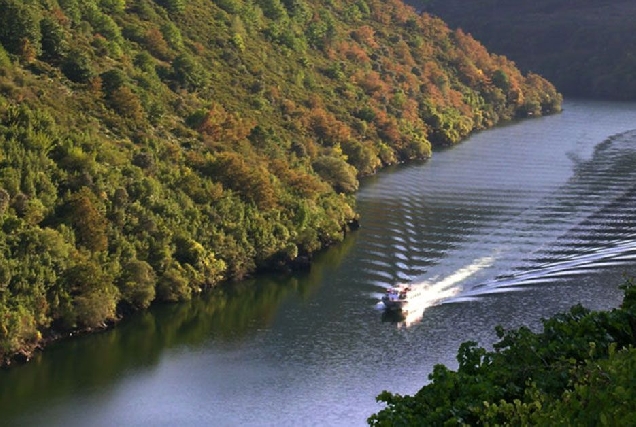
537, 210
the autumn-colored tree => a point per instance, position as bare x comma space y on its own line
252, 181
372, 83
365, 35
88, 221
327, 127
353, 52
126, 103
156, 44
301, 183
221, 125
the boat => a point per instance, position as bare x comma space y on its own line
397, 298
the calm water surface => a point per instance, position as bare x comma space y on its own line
511, 226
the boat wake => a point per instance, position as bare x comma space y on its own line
571, 266
464, 285
433, 291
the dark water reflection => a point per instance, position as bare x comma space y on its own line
511, 226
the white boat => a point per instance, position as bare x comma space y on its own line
398, 297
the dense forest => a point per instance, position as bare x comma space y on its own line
150, 149
584, 47
578, 371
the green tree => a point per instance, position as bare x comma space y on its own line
176, 6
54, 43
93, 295
5, 198
112, 6
337, 172
273, 9
71, 9
574, 372
112, 80
137, 283
189, 73
78, 67
173, 286
19, 26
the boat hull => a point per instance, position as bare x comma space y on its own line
397, 298
394, 305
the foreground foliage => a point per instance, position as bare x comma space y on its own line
579, 371
151, 149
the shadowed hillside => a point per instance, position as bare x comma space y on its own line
584, 47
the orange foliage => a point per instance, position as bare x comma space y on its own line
353, 52
95, 86
403, 52
409, 82
371, 82
470, 74
381, 15
434, 83
315, 101
331, 53
387, 126
410, 110
302, 183
288, 107
273, 94
156, 44
456, 99
327, 127
223, 126
251, 180
473, 49
401, 12
365, 35
127, 103
60, 16
198, 48
433, 28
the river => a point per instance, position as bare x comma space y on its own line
511, 226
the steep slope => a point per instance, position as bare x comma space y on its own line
151, 149
583, 47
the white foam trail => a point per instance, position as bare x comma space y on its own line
464, 273
430, 292
571, 266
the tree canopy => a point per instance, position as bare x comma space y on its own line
151, 149
578, 371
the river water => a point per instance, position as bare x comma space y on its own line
513, 225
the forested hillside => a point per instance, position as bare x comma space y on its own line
584, 47
150, 149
